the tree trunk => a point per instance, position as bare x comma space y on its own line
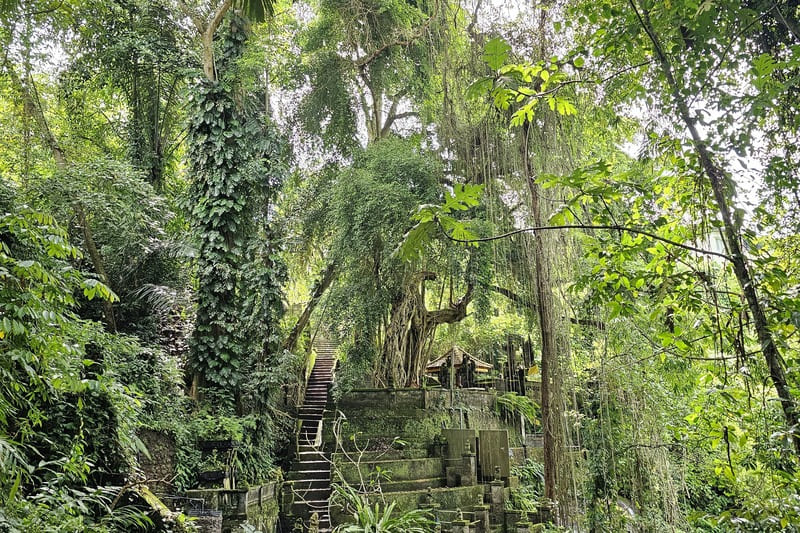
31, 103
551, 404
325, 281
410, 328
722, 197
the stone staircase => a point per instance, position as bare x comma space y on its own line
310, 476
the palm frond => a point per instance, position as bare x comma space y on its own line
256, 10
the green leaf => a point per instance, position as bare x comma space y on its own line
411, 246
495, 53
14, 487
479, 88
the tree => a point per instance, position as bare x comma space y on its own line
692, 70
138, 49
376, 73
237, 167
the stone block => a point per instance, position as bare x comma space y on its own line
208, 522
483, 523
469, 469
161, 463
497, 499
493, 453
457, 440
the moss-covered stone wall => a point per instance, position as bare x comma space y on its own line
376, 417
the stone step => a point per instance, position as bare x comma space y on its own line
311, 410
384, 455
308, 448
400, 469
299, 475
313, 455
307, 507
311, 494
414, 484
304, 484
311, 415
317, 464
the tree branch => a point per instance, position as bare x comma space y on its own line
366, 60
196, 19
216, 20
534, 229
455, 312
601, 81
322, 285
396, 116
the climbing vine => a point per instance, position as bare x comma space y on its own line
237, 165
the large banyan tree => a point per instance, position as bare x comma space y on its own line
387, 309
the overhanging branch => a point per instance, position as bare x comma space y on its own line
611, 227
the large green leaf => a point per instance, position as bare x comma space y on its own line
495, 53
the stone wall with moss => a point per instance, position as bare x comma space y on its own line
258, 506
378, 418
159, 464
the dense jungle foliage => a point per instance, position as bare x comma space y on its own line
191, 191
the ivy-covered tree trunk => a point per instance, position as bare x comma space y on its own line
235, 169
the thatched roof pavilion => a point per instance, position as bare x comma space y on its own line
457, 355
